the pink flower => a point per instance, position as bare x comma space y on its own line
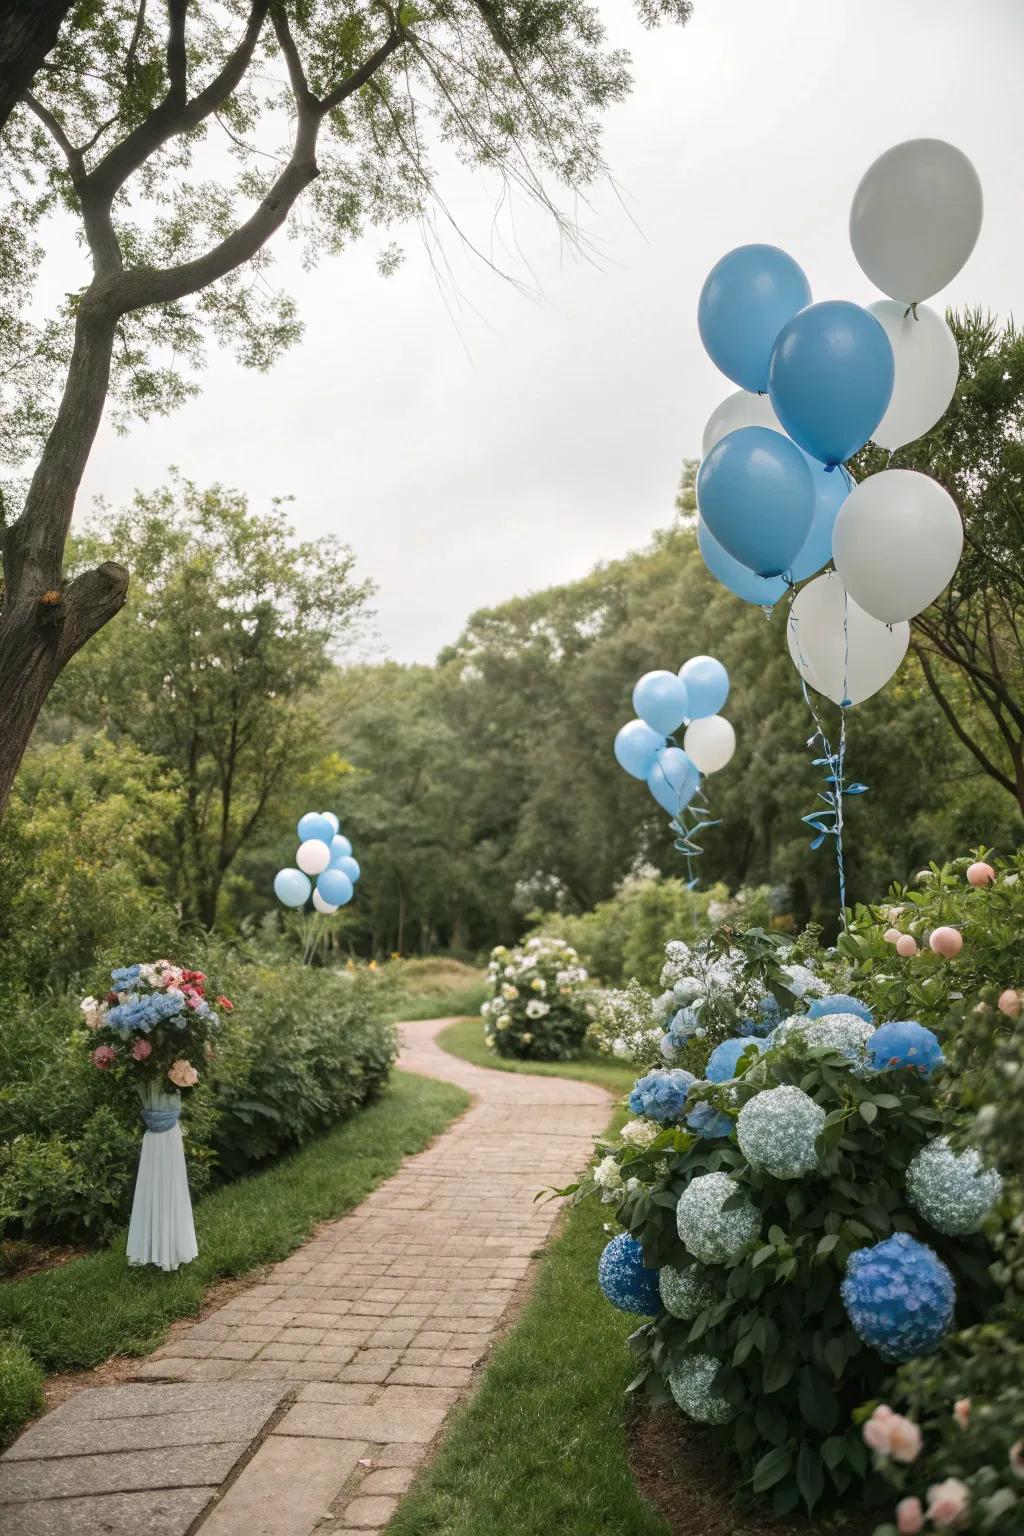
182, 1073
890, 1434
909, 1517
947, 1503
225, 1003
1009, 1002
962, 1411
141, 1049
104, 1056
1017, 1459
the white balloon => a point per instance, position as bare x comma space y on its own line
320, 904
838, 648
742, 409
330, 816
710, 742
313, 856
915, 218
927, 368
896, 543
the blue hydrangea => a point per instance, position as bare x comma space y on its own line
905, 1044
682, 1028
899, 1297
626, 1280
767, 1015
707, 1122
126, 978
724, 1059
147, 1012
661, 1094
840, 1002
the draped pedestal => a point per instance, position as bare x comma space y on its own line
161, 1230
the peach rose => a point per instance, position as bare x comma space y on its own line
962, 1411
906, 945
947, 1503
1009, 1002
909, 1517
890, 1434
182, 1073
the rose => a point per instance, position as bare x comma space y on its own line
141, 1049
962, 1411
909, 1517
1009, 1002
93, 1011
104, 1056
948, 1502
182, 1073
890, 1434
225, 1003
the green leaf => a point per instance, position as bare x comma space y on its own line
777, 1372
833, 1450
776, 1236
868, 1112
818, 1403
772, 1468
809, 1475
835, 1357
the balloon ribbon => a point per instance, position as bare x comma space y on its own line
688, 821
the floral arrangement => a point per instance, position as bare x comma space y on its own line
791, 1239
539, 1008
155, 1025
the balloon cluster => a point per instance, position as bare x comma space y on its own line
324, 855
818, 381
646, 747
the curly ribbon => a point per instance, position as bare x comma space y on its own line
829, 822
688, 821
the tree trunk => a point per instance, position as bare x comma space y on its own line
44, 619
28, 30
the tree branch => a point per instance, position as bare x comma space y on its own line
360, 76
176, 58
52, 123
296, 74
976, 751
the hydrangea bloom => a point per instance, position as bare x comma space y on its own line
706, 1121
803, 982
766, 1016
662, 1094
608, 1179
691, 1384
724, 1059
777, 1131
898, 1296
712, 1235
639, 1133
685, 1292
839, 1002
626, 1280
905, 1044
953, 1192
846, 1033
684, 1027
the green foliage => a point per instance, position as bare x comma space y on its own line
75, 1190
624, 938
21, 1388
82, 1312
538, 1009
791, 1364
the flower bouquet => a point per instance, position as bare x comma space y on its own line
153, 1027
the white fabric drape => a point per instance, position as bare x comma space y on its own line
161, 1230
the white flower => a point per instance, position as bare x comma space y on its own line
777, 1131
93, 1011
607, 1177
712, 1235
509, 991
539, 985
526, 1038
535, 1009
639, 1133
953, 1192
690, 1385
510, 970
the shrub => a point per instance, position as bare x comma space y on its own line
21, 1387
625, 937
537, 1009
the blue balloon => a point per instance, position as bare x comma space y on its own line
763, 590
831, 488
673, 780
756, 494
335, 887
746, 300
721, 1067
636, 747
314, 825
660, 700
341, 848
348, 866
292, 887
707, 683
626, 1280
831, 379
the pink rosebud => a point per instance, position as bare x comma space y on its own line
962, 1411
948, 1502
946, 942
981, 874
909, 1517
104, 1056
1009, 1002
906, 945
876, 1429
892, 935
141, 1049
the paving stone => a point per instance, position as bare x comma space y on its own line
369, 1514
178, 1467
167, 1513
73, 1435
366, 1421
387, 1480
286, 1489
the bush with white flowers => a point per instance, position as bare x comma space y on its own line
540, 1007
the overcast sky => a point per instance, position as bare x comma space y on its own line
474, 458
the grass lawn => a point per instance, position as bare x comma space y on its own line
465, 1038
91, 1308
437, 987
542, 1447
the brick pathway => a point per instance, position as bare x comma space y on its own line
308, 1402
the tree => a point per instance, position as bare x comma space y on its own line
28, 30
970, 642
111, 131
229, 629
